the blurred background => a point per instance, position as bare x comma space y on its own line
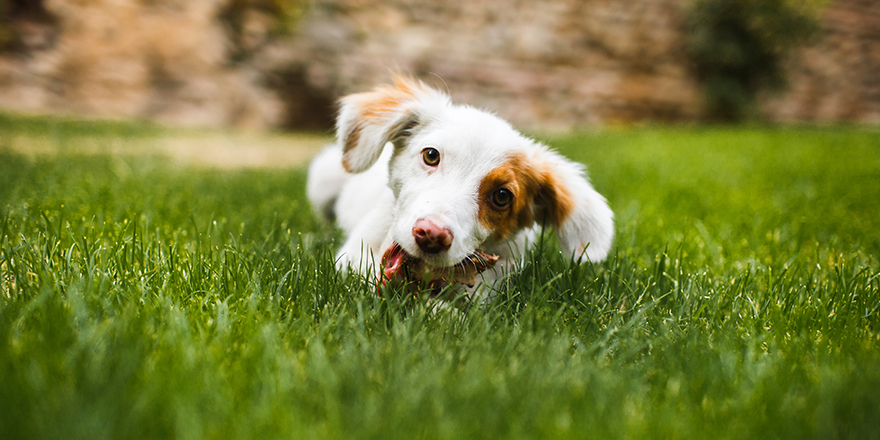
548, 65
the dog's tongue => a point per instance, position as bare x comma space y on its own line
392, 261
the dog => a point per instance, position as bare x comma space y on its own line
427, 190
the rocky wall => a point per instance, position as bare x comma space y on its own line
837, 79
555, 64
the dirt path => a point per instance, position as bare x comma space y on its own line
213, 149
245, 150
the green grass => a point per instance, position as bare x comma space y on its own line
141, 298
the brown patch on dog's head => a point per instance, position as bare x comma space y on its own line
384, 100
537, 196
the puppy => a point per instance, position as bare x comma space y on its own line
431, 191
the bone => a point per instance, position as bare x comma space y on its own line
464, 272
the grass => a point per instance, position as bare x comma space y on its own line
144, 298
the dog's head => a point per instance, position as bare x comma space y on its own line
464, 179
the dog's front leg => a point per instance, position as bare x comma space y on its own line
363, 249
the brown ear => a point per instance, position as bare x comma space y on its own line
367, 121
583, 221
553, 202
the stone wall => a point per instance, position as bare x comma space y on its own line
555, 64
548, 64
162, 60
838, 79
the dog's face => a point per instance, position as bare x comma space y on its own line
464, 179
456, 187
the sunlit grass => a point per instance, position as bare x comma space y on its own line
142, 298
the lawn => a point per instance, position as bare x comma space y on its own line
142, 297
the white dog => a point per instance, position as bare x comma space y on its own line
442, 192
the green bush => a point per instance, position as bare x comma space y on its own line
284, 15
739, 47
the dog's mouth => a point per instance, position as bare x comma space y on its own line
399, 265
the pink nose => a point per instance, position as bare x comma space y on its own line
430, 237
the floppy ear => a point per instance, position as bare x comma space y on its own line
367, 121
568, 202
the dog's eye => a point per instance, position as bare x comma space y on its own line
501, 198
431, 157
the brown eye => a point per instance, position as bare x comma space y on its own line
501, 198
431, 157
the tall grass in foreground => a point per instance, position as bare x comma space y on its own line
141, 299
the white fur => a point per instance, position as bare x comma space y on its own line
380, 187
